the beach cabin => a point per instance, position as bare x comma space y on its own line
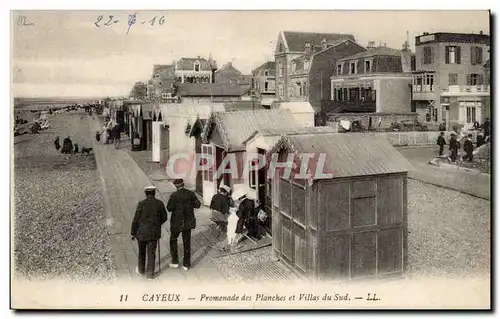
303, 112
349, 223
172, 123
224, 133
258, 184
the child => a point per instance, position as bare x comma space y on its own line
441, 142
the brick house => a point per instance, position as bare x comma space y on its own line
292, 45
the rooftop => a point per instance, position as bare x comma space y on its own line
211, 89
385, 51
297, 40
348, 155
236, 127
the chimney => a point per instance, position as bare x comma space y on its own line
371, 45
481, 32
229, 64
385, 44
199, 57
324, 45
308, 49
426, 33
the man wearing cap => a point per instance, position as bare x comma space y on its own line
220, 204
181, 204
146, 228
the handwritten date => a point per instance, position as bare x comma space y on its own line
110, 20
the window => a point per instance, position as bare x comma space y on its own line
429, 82
281, 47
474, 79
281, 92
208, 173
471, 114
197, 66
476, 55
266, 73
298, 86
452, 55
452, 79
306, 65
266, 86
280, 69
352, 68
427, 55
294, 66
339, 69
368, 65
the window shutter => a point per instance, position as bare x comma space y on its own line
480, 79
447, 55
473, 57
469, 79
479, 55
458, 57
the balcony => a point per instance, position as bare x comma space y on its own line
466, 90
423, 92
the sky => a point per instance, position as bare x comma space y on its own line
64, 53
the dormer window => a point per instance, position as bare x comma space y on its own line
197, 66
353, 67
368, 66
339, 69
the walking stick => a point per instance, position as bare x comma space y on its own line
159, 255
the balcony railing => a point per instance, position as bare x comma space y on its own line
467, 89
423, 88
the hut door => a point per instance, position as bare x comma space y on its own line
199, 173
209, 182
264, 193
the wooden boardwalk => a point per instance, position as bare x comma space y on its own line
123, 185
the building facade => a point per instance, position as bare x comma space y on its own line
449, 83
210, 92
293, 45
376, 80
264, 79
195, 70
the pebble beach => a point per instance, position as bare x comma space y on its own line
59, 227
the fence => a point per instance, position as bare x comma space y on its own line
415, 138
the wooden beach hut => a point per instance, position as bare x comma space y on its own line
349, 225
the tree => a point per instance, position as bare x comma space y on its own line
139, 90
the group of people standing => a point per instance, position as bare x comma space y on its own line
68, 147
235, 213
456, 138
151, 214
111, 133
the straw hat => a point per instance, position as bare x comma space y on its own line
225, 188
149, 188
239, 193
178, 183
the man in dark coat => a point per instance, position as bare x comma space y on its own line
480, 139
220, 204
67, 146
453, 147
468, 148
181, 204
57, 143
146, 228
486, 128
116, 133
441, 142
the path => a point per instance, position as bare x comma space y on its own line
123, 185
472, 183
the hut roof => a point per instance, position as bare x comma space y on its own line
235, 127
348, 155
295, 107
274, 134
